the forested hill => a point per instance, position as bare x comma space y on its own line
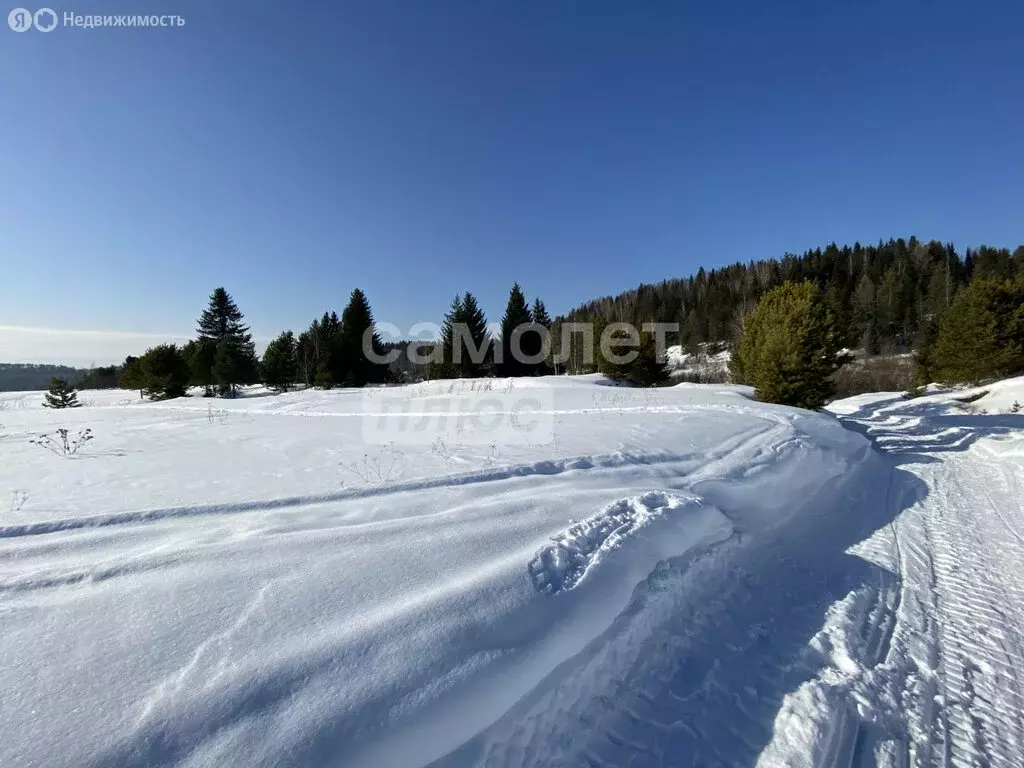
26, 377
885, 296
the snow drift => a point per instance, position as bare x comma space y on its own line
229, 583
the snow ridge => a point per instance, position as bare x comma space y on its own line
563, 564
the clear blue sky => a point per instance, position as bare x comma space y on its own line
416, 148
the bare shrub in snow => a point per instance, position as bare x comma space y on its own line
702, 373
893, 373
18, 499
386, 466
441, 449
493, 454
60, 443
218, 415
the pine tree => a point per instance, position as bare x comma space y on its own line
648, 370
924, 359
359, 343
981, 334
201, 355
888, 307
234, 356
517, 314
131, 375
280, 369
304, 358
620, 344
597, 361
865, 314
790, 347
60, 395
231, 365
332, 367
163, 372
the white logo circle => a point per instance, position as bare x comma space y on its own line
40, 19
20, 19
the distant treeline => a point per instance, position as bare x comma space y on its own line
26, 377
885, 298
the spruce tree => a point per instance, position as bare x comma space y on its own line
474, 323
790, 347
221, 318
234, 355
540, 314
464, 325
324, 359
279, 366
543, 319
359, 341
444, 367
304, 358
60, 395
517, 314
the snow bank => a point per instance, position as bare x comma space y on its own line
1006, 396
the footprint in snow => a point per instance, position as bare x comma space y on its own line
563, 564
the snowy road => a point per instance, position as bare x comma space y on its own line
949, 690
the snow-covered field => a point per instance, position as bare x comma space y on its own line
543, 572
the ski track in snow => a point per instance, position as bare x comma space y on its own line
613, 461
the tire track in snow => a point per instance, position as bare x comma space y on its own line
952, 674
978, 668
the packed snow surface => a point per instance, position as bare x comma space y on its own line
541, 572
